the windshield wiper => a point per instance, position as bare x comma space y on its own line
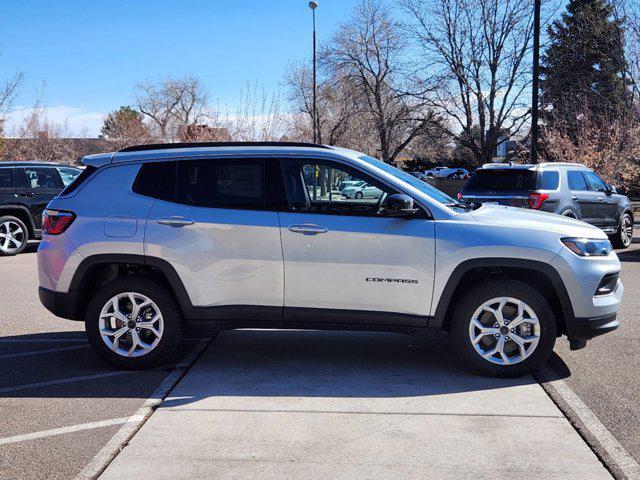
464, 206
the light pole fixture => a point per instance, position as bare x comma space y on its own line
536, 80
313, 5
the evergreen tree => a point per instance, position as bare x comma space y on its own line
584, 67
122, 122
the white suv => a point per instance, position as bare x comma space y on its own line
258, 235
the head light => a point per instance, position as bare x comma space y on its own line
588, 247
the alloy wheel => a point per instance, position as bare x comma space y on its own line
504, 330
626, 230
131, 324
12, 236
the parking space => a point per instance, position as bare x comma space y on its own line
60, 404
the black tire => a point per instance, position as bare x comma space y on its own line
474, 298
619, 239
358, 195
25, 237
170, 314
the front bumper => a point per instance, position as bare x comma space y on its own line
61, 304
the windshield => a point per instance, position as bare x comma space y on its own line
501, 180
411, 180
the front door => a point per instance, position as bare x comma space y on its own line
605, 208
217, 233
342, 255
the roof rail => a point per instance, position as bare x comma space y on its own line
169, 146
561, 164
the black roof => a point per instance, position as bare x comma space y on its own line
33, 164
167, 146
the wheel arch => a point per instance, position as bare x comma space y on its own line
96, 270
21, 212
538, 275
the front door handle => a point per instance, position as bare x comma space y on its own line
307, 229
175, 221
600, 200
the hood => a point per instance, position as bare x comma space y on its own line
536, 220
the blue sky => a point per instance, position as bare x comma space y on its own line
90, 54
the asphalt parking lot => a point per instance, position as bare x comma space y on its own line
61, 406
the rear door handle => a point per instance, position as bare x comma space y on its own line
574, 198
600, 200
307, 229
175, 221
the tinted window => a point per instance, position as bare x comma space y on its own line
595, 182
68, 175
548, 180
6, 178
501, 180
157, 180
41, 178
221, 183
79, 180
576, 181
329, 187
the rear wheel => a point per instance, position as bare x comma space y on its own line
504, 328
14, 236
133, 323
623, 237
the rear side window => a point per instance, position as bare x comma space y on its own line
157, 180
6, 178
576, 180
79, 180
501, 180
221, 183
548, 180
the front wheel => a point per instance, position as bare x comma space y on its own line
133, 323
504, 328
623, 237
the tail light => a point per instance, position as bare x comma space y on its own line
536, 199
459, 196
54, 222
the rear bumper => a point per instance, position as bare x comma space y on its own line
61, 304
587, 328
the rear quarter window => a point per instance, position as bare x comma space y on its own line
501, 180
548, 180
157, 180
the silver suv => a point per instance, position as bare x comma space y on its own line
153, 238
568, 189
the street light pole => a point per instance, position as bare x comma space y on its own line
536, 79
313, 6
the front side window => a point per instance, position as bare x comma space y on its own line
330, 187
6, 178
577, 181
41, 178
595, 182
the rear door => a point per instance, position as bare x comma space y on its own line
503, 186
36, 187
343, 256
605, 208
213, 225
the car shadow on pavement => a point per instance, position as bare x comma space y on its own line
629, 255
255, 363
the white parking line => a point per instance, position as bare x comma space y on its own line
120, 439
40, 352
69, 429
623, 460
42, 340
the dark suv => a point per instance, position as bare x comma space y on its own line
568, 189
25, 190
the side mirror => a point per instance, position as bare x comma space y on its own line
400, 205
613, 189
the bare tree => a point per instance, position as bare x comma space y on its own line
8, 90
474, 66
172, 103
368, 51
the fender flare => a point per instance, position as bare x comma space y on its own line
11, 206
466, 266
